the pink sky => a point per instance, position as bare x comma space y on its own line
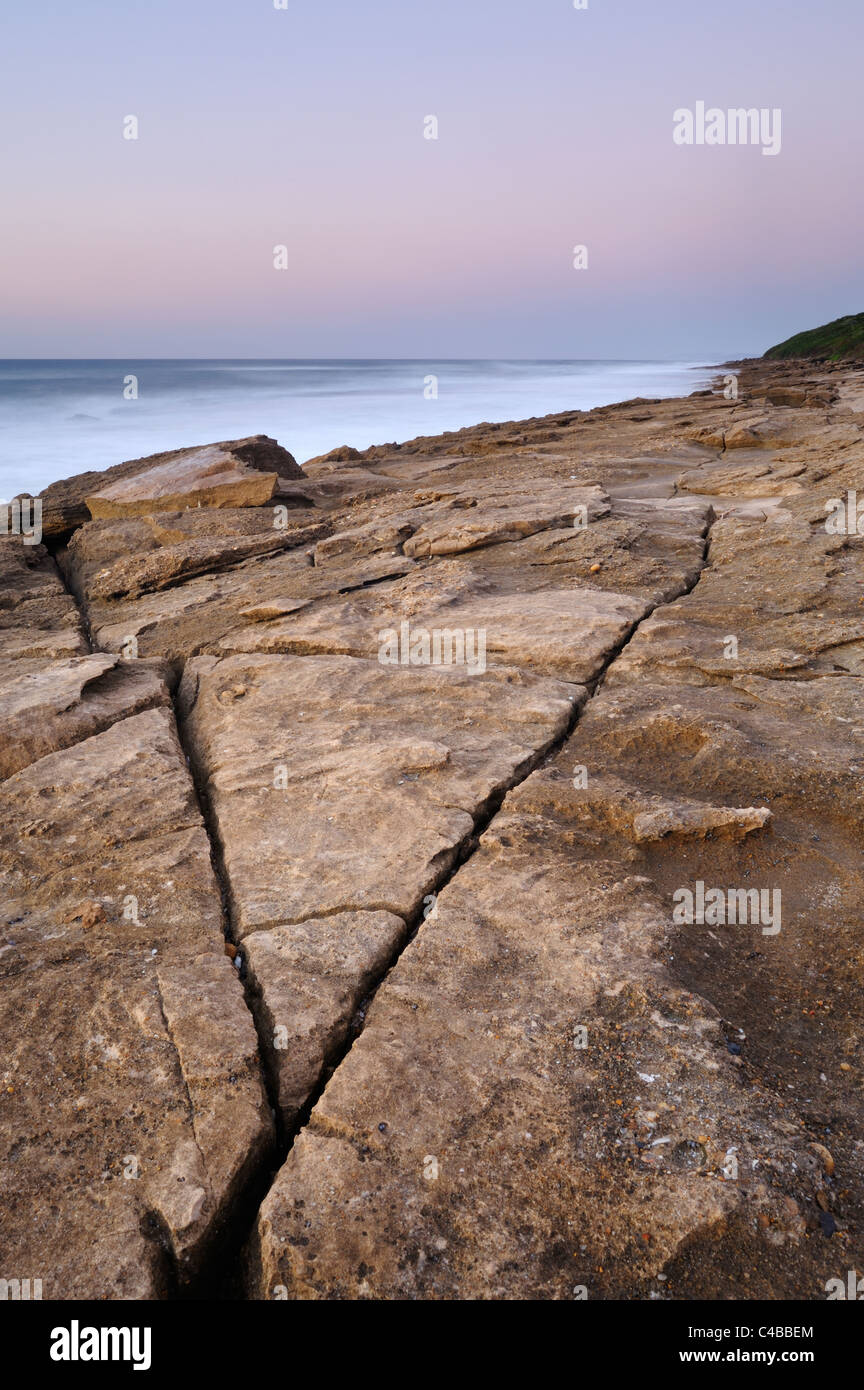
304, 127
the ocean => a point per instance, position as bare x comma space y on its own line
58, 418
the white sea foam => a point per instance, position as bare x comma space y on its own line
60, 418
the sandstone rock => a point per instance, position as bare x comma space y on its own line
784, 429
470, 1144
111, 559
506, 1064
566, 633
808, 395
64, 504
131, 1090
506, 519
207, 477
343, 454
755, 479
652, 549
310, 979
370, 539
370, 776
268, 609
404, 780
777, 600
47, 705
339, 485
630, 810
193, 615
700, 821
37, 617
743, 436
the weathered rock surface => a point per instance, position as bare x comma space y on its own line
38, 618
206, 477
132, 1108
746, 616
508, 1056
310, 980
465, 1147
338, 784
131, 1092
475, 522
371, 539
568, 633
64, 504
47, 705
614, 551
193, 615
631, 810
476, 1144
108, 560
341, 792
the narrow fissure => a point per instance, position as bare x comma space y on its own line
225, 1242
221, 1275
483, 818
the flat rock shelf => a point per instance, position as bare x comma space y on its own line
436, 872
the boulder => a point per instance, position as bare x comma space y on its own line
64, 505
208, 477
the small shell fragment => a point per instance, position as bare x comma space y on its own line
826, 1157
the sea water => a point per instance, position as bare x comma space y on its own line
58, 418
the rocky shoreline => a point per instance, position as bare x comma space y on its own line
339, 963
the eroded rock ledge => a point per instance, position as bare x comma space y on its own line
404, 934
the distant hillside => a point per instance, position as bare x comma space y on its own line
844, 338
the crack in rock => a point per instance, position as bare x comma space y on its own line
497, 1062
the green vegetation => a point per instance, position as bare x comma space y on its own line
844, 338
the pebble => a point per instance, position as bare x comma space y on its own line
827, 1222
826, 1157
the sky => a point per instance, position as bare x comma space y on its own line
304, 127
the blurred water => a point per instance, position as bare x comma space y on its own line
63, 417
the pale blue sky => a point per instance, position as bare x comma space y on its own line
304, 127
